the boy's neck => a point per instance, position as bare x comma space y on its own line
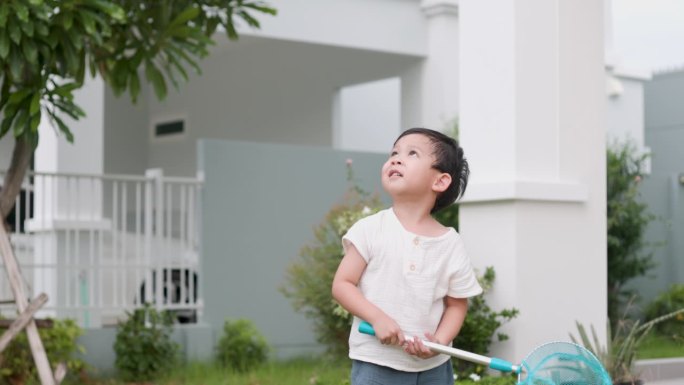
416, 218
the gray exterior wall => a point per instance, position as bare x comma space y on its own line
662, 189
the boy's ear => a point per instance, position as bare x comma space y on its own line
442, 182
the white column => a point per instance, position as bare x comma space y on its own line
65, 208
69, 199
533, 127
430, 91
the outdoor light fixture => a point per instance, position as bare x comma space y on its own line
681, 178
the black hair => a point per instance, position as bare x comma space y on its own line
449, 159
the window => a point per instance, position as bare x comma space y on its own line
169, 128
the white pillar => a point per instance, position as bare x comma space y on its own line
533, 128
430, 91
84, 156
65, 208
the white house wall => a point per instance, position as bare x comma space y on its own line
255, 89
379, 25
126, 134
625, 110
6, 146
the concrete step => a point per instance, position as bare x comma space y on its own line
662, 371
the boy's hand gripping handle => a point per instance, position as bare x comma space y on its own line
494, 363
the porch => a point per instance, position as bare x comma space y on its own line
101, 245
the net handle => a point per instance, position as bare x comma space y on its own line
491, 362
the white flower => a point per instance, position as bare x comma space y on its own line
474, 377
366, 210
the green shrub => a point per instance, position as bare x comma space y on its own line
667, 302
479, 327
241, 347
16, 361
144, 349
627, 220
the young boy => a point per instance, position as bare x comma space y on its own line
406, 273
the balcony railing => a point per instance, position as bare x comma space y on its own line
101, 245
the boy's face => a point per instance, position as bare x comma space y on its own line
408, 171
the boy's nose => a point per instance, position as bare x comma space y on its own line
396, 161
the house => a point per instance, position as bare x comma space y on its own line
663, 188
257, 144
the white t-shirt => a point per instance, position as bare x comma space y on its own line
407, 276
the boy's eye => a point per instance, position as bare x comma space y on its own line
412, 152
393, 153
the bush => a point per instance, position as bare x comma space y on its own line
668, 302
143, 345
479, 328
16, 361
241, 347
627, 221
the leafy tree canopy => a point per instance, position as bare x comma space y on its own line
48, 46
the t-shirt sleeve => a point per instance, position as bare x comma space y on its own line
359, 236
463, 281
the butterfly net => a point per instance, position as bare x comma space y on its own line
563, 363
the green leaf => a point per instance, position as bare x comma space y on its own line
42, 29
183, 54
16, 64
88, 22
35, 104
27, 27
231, 32
4, 44
113, 10
188, 14
63, 128
19, 96
212, 23
76, 38
66, 90
14, 31
156, 78
20, 123
21, 10
261, 8
4, 11
35, 122
176, 63
67, 20
6, 124
30, 51
251, 21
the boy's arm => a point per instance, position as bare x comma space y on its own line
455, 310
346, 292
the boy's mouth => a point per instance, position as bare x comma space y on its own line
394, 173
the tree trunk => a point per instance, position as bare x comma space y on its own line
21, 159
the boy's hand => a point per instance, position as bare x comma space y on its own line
388, 332
416, 347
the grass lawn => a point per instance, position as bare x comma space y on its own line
655, 346
297, 372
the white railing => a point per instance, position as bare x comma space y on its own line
101, 245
